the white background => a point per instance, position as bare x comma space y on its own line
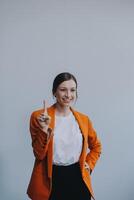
94, 40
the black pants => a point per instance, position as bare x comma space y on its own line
67, 184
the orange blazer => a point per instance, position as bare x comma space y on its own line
41, 179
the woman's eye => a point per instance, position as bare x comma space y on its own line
63, 90
73, 90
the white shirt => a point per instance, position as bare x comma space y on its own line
67, 140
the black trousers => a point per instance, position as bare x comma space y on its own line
67, 184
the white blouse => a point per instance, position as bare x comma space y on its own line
67, 140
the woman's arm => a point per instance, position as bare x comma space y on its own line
94, 145
40, 139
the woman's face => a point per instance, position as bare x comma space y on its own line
66, 93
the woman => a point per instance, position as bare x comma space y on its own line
65, 146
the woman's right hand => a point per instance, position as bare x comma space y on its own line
44, 119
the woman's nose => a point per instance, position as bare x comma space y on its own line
68, 94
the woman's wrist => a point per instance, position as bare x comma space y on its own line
47, 131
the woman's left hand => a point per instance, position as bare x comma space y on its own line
87, 166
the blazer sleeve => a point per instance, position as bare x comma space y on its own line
39, 138
94, 146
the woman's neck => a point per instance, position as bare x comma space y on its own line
62, 110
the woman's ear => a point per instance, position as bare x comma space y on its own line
54, 95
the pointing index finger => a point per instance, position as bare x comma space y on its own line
45, 107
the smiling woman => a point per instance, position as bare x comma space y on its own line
66, 92
61, 138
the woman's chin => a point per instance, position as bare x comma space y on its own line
66, 104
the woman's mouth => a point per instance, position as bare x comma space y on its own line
66, 101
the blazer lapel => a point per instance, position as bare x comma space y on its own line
80, 121
82, 125
51, 113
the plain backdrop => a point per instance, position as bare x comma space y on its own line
92, 39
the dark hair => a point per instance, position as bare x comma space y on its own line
65, 76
